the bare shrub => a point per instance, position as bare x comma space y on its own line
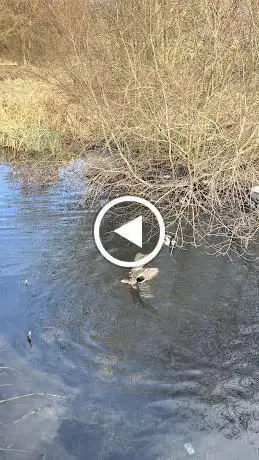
169, 92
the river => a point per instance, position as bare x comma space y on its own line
107, 377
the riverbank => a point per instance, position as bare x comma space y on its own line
161, 97
40, 132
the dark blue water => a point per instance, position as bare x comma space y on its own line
108, 377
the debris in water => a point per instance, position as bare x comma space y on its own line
29, 337
255, 195
170, 242
189, 448
26, 282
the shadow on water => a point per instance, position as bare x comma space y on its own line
119, 375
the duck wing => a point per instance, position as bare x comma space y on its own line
137, 271
149, 273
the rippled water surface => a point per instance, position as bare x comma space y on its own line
108, 377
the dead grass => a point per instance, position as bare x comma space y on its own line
168, 89
31, 118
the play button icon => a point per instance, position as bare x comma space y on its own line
131, 232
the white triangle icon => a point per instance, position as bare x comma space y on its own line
132, 231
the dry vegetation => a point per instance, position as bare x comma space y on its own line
167, 90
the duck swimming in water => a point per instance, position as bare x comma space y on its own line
29, 338
139, 275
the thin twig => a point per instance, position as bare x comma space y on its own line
2, 449
31, 394
27, 415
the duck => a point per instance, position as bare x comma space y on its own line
254, 193
170, 242
29, 338
139, 275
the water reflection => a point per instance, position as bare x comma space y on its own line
140, 378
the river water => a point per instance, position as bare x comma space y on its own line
108, 377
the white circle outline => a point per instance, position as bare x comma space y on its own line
146, 259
